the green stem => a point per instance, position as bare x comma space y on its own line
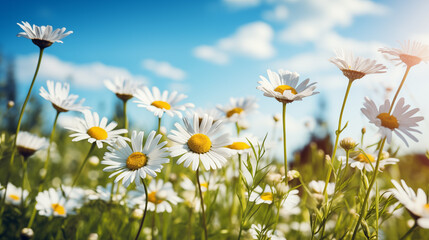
152, 232
159, 126
337, 133
399, 88
21, 114
409, 231
51, 138
24, 173
202, 205
82, 166
371, 184
145, 210
125, 115
237, 127
284, 138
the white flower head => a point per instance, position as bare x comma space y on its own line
105, 193
259, 195
283, 86
400, 121
132, 164
51, 202
123, 88
319, 186
214, 113
161, 103
411, 53
238, 108
58, 95
90, 127
42, 36
367, 160
200, 141
356, 67
14, 195
27, 144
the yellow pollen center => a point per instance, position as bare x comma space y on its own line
233, 111
205, 184
97, 133
161, 104
426, 207
60, 210
199, 143
136, 160
267, 196
388, 121
151, 197
365, 158
238, 146
282, 88
14, 197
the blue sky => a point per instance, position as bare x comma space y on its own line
214, 50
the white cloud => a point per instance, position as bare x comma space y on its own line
89, 75
164, 69
252, 40
278, 14
242, 3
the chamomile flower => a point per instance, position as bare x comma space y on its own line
207, 180
214, 113
94, 130
161, 103
160, 196
400, 121
200, 142
238, 108
51, 202
411, 53
58, 95
259, 195
283, 86
356, 67
123, 88
42, 36
132, 164
27, 143
318, 186
242, 145
367, 160
14, 194
416, 204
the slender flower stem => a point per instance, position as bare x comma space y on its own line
81, 168
159, 126
202, 205
145, 210
337, 133
371, 184
409, 231
152, 231
51, 138
399, 88
125, 114
12, 157
284, 138
237, 127
24, 173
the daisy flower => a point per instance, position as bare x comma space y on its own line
14, 195
207, 179
51, 202
411, 53
132, 164
94, 130
318, 186
122, 87
416, 204
200, 142
42, 36
161, 103
262, 196
242, 146
214, 113
160, 196
27, 143
401, 121
283, 86
58, 95
238, 108
356, 68
367, 160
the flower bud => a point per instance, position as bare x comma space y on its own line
10, 105
348, 143
363, 130
27, 233
276, 117
137, 214
292, 174
93, 236
94, 160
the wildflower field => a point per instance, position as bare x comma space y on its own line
209, 176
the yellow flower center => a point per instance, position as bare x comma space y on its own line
161, 104
238, 146
136, 160
151, 197
97, 133
426, 207
282, 88
205, 184
267, 196
233, 111
60, 210
388, 121
199, 143
14, 197
365, 158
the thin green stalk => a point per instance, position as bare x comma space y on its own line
125, 115
371, 184
21, 114
409, 231
337, 133
284, 138
237, 127
24, 173
51, 138
82, 167
377, 211
399, 88
152, 231
202, 205
145, 210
